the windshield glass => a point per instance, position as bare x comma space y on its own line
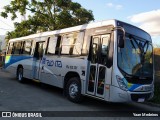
135, 58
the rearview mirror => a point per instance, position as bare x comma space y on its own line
121, 38
120, 41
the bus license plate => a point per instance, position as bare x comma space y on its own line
141, 100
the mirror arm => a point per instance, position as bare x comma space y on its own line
120, 28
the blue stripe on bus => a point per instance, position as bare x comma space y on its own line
13, 59
134, 86
131, 87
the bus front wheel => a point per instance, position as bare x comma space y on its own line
20, 75
74, 90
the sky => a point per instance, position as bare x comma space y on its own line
141, 13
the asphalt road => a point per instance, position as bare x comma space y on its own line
32, 96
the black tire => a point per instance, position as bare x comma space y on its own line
73, 90
20, 75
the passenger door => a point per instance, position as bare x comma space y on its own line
38, 54
98, 69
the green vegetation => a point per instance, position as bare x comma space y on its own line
156, 98
156, 64
45, 15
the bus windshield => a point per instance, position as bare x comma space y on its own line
135, 59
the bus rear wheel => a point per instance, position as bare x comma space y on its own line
73, 90
20, 75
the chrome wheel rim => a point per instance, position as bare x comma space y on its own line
73, 90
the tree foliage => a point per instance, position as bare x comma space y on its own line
45, 15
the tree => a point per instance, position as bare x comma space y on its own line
45, 15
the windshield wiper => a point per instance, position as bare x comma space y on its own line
145, 45
141, 48
133, 44
142, 53
131, 37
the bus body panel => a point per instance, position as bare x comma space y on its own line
55, 69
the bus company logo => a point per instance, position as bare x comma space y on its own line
48, 62
51, 62
58, 64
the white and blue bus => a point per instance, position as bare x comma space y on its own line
108, 60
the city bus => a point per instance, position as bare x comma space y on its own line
109, 60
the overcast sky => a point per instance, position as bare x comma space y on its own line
142, 13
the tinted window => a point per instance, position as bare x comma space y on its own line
27, 47
17, 47
104, 49
58, 45
10, 48
51, 45
78, 43
68, 43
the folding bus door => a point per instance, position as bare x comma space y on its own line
98, 69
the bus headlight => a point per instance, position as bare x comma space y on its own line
121, 83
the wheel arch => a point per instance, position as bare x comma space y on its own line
69, 75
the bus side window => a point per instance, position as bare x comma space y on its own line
51, 45
41, 49
68, 43
95, 50
27, 47
78, 41
58, 45
17, 47
65, 45
104, 49
10, 48
13, 48
72, 46
22, 47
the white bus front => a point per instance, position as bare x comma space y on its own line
132, 76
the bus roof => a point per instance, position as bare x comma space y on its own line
70, 29
78, 28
